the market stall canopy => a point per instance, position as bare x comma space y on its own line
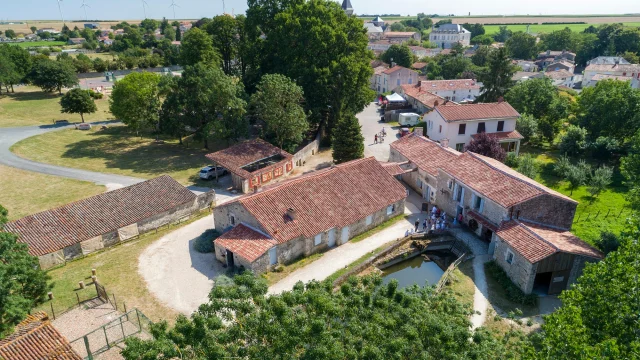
395, 98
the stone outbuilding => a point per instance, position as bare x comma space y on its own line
100, 221
253, 163
541, 259
306, 215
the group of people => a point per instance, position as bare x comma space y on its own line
379, 138
437, 221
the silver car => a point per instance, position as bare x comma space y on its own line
210, 172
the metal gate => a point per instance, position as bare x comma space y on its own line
102, 292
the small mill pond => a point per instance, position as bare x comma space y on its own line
419, 270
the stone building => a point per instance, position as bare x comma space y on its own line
447, 36
427, 94
88, 225
400, 37
35, 338
253, 163
305, 215
391, 78
541, 259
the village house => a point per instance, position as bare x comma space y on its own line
418, 51
305, 215
606, 71
490, 198
390, 79
253, 163
51, 31
379, 45
548, 57
94, 26
526, 65
608, 60
563, 78
100, 221
374, 32
35, 338
525, 75
457, 124
427, 94
399, 37
561, 65
376, 78
76, 41
541, 259
447, 36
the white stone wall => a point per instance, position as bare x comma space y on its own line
520, 271
450, 129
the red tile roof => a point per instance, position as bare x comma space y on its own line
427, 154
504, 135
501, 110
331, 198
395, 68
437, 85
392, 168
399, 34
235, 157
419, 65
246, 242
558, 75
36, 339
536, 242
482, 220
496, 181
380, 69
55, 229
428, 99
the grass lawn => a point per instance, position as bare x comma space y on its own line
117, 270
591, 216
273, 277
462, 284
25, 192
29, 105
497, 298
377, 229
28, 44
362, 259
116, 150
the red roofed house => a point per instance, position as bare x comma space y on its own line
88, 225
306, 215
539, 258
253, 163
390, 79
36, 339
456, 124
399, 37
489, 194
426, 94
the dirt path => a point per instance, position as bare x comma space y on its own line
480, 302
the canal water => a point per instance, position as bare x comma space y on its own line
418, 271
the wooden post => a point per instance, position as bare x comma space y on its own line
125, 309
78, 297
608, 211
139, 323
597, 214
86, 345
122, 328
114, 301
93, 272
52, 312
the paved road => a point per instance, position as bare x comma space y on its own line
10, 136
369, 119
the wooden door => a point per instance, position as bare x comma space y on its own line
558, 282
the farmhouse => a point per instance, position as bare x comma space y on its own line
457, 124
88, 225
540, 258
447, 36
35, 339
306, 215
253, 163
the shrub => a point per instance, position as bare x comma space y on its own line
204, 243
512, 292
527, 126
512, 160
600, 179
604, 147
608, 242
574, 140
561, 167
528, 166
95, 95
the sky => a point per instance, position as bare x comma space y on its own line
195, 9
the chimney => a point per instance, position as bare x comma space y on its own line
500, 100
419, 130
444, 142
419, 83
393, 64
291, 213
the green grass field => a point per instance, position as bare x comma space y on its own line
117, 150
24, 192
608, 211
546, 28
29, 44
30, 106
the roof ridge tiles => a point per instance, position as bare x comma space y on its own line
536, 235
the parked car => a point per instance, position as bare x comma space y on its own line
210, 172
83, 126
403, 131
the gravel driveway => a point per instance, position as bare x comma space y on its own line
369, 119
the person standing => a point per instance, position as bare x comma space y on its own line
417, 225
375, 139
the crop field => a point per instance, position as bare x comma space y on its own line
547, 28
28, 44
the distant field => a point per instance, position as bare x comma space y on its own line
40, 43
57, 24
547, 28
497, 19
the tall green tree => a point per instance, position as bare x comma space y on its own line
23, 285
197, 47
278, 102
11, 34
496, 79
399, 54
363, 320
600, 179
599, 316
8, 73
527, 126
33, 29
521, 45
224, 32
52, 75
528, 166
209, 102
558, 40
611, 108
630, 169
20, 57
135, 100
78, 101
348, 142
325, 51
533, 96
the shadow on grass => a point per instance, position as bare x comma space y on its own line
121, 149
30, 96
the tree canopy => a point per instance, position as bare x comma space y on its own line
278, 102
521, 45
364, 320
78, 101
197, 47
399, 54
52, 75
487, 145
135, 100
497, 78
22, 284
348, 142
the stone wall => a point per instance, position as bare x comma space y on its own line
300, 157
222, 217
126, 232
548, 210
520, 271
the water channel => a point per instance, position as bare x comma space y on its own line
419, 270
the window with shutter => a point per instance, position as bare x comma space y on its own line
501, 125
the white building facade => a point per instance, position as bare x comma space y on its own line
447, 35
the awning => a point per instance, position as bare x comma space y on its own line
395, 98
